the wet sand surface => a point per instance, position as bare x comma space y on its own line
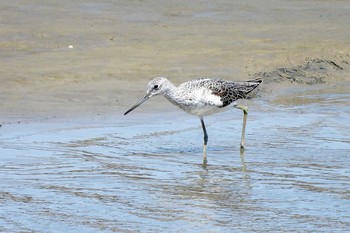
70, 161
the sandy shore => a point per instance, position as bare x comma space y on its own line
73, 58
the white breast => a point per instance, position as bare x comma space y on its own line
199, 102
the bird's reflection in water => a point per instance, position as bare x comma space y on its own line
243, 164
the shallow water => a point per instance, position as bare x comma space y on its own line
143, 172
65, 58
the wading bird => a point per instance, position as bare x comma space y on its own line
202, 97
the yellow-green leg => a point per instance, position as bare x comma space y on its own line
245, 114
205, 161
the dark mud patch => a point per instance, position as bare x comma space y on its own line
314, 71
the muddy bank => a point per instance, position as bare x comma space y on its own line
314, 74
70, 58
314, 71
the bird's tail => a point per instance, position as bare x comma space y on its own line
248, 86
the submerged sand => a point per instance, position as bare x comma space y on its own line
78, 58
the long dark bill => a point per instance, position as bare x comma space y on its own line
143, 99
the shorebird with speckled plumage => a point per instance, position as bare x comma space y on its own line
202, 97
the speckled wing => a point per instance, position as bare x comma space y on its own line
228, 91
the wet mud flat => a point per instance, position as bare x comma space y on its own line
314, 71
69, 58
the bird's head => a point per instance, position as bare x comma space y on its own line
156, 86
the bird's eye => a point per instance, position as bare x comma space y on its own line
156, 87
